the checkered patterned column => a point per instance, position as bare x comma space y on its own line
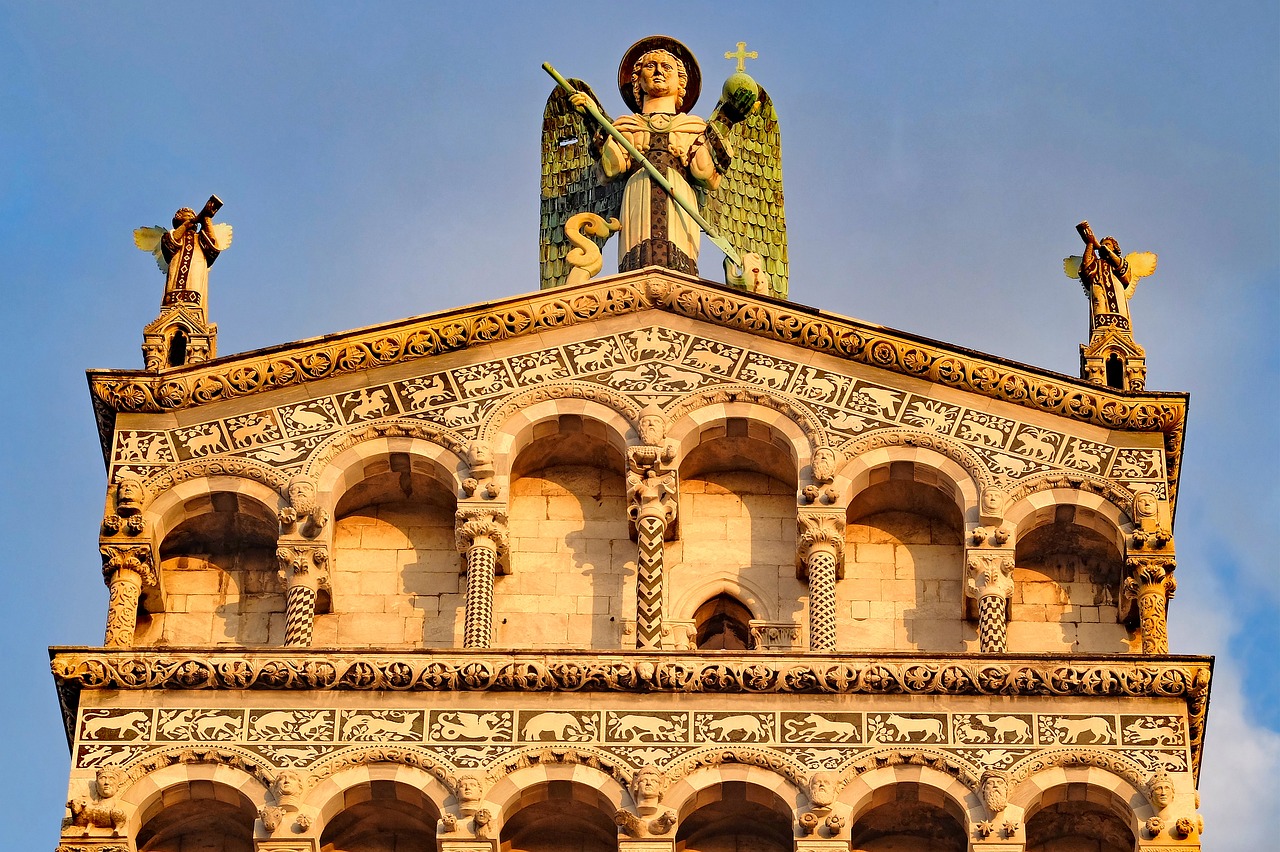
303, 569
481, 536
819, 560
482, 560
990, 583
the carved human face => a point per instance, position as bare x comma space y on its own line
658, 74
469, 788
648, 785
1162, 793
651, 429
995, 792
128, 494
822, 789
302, 495
1144, 504
108, 782
289, 783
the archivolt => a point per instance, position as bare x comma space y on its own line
607, 397
792, 408
233, 467
1116, 764
401, 428
1111, 492
941, 444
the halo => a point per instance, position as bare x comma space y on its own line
693, 86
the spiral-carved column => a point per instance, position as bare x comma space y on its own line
125, 569
652, 507
819, 561
304, 569
990, 583
481, 537
1151, 584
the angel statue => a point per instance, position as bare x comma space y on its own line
661, 176
1109, 280
185, 253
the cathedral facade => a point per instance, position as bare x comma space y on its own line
642, 563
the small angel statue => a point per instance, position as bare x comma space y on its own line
728, 168
185, 253
1109, 280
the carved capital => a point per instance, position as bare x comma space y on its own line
477, 526
989, 574
303, 565
652, 493
127, 562
817, 532
1150, 575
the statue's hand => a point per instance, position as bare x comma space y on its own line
580, 101
680, 152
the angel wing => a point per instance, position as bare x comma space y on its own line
148, 239
1071, 265
220, 233
1141, 264
747, 206
570, 181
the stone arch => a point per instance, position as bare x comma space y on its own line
171, 495
1093, 511
792, 426
696, 776
423, 762
510, 426
1109, 770
1087, 785
180, 783
719, 800
410, 787
957, 466
929, 786
539, 789
1117, 494
726, 582
339, 463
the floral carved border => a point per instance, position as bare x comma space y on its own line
1186, 678
410, 340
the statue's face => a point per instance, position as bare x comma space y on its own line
659, 75
300, 489
822, 789
108, 784
469, 788
128, 492
1145, 504
1162, 794
648, 785
289, 783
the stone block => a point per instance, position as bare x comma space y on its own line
865, 553
383, 537
1043, 593
370, 628
1102, 638
1041, 637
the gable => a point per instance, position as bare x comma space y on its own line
650, 338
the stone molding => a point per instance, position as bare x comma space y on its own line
414, 339
1187, 678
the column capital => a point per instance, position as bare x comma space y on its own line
988, 573
818, 531
303, 564
477, 524
127, 562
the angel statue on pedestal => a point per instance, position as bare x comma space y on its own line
185, 253
661, 176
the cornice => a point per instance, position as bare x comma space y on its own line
236, 669
416, 338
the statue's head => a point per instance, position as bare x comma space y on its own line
1144, 505
994, 790
659, 63
470, 788
302, 494
1111, 243
288, 783
821, 788
648, 784
108, 781
1161, 790
659, 49
129, 495
184, 214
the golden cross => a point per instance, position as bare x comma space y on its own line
742, 55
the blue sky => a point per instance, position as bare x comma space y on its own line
382, 161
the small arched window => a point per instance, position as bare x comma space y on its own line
178, 348
1115, 372
723, 625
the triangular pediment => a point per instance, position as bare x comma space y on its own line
647, 338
